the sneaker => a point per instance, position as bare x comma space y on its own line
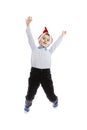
27, 105
55, 104
26, 109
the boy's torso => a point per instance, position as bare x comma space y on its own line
41, 58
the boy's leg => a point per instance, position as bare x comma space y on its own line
33, 84
47, 85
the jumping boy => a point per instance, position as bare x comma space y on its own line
40, 66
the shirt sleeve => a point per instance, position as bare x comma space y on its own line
30, 38
56, 44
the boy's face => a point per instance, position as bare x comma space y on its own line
45, 40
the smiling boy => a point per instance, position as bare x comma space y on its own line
40, 66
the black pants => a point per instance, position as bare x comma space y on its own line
43, 77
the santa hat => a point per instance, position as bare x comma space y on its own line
45, 32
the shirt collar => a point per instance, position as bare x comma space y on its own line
41, 47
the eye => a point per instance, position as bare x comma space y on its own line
43, 38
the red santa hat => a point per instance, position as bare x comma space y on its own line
44, 32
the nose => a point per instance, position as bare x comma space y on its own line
45, 40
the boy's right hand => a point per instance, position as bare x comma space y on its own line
28, 20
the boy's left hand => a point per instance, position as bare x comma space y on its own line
64, 33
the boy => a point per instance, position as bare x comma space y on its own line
40, 66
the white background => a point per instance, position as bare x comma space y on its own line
69, 64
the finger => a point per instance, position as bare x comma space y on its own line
65, 32
29, 17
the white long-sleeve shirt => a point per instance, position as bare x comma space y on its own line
41, 56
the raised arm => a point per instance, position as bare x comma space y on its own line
29, 34
57, 42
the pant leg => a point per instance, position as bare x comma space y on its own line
47, 84
33, 84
